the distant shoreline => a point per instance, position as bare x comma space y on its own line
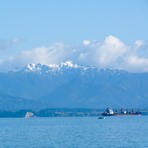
51, 112
55, 112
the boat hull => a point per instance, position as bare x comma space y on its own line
104, 114
123, 112
134, 114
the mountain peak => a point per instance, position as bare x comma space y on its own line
46, 68
30, 66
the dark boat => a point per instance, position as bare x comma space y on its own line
101, 117
122, 112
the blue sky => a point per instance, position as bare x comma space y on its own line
28, 25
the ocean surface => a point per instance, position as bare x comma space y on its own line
74, 132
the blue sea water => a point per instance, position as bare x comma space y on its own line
74, 132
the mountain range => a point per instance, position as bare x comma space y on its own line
69, 85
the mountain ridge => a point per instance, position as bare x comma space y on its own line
58, 67
72, 85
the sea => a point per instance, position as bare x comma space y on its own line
74, 132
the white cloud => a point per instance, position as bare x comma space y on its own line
86, 42
111, 53
139, 43
135, 63
55, 53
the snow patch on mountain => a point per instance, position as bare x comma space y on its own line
68, 66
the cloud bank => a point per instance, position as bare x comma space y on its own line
110, 53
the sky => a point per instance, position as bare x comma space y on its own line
103, 33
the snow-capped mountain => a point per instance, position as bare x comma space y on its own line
42, 68
72, 85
